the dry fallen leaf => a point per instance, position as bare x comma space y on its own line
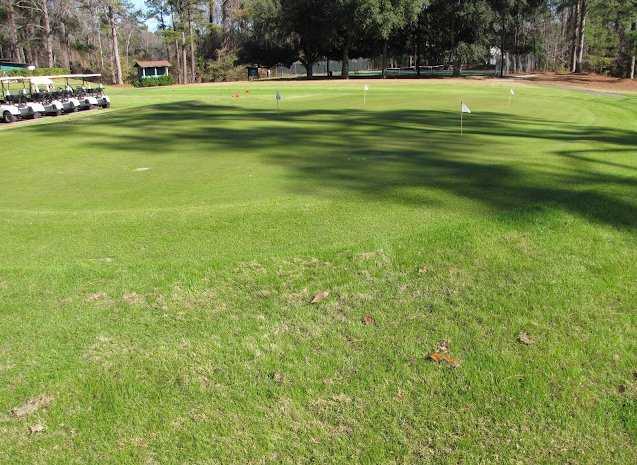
423, 269
37, 428
342, 398
278, 377
319, 297
368, 320
133, 298
97, 296
446, 358
31, 406
524, 338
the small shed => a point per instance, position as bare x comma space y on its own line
258, 72
11, 66
152, 69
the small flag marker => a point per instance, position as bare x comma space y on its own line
512, 92
365, 90
464, 108
278, 97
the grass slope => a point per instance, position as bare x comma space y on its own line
157, 262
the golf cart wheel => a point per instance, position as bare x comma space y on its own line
106, 105
7, 117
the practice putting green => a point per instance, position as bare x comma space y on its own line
158, 261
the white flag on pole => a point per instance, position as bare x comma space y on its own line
512, 92
366, 88
465, 108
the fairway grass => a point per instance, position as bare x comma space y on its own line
158, 260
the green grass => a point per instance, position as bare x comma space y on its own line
166, 312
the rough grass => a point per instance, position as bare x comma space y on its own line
164, 315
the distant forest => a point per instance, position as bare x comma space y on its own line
212, 40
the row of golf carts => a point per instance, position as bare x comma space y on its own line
33, 97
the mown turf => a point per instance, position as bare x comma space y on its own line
158, 260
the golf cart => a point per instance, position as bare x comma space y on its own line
42, 91
9, 113
23, 100
82, 97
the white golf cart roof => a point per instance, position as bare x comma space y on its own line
41, 81
59, 76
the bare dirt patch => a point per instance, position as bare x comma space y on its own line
31, 406
593, 82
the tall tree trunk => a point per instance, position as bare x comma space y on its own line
28, 49
574, 35
193, 63
14, 53
633, 28
130, 33
345, 67
384, 64
117, 66
99, 45
48, 41
417, 57
309, 68
502, 42
65, 46
581, 28
184, 61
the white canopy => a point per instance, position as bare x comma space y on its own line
41, 81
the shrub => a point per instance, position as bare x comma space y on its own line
154, 81
222, 69
37, 72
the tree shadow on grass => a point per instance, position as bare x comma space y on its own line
398, 155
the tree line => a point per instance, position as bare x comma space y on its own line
209, 40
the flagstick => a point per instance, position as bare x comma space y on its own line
461, 117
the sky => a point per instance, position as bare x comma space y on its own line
152, 23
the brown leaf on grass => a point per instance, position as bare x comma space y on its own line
278, 377
31, 406
438, 357
423, 269
133, 298
96, 297
37, 428
319, 297
264, 293
342, 398
368, 320
525, 338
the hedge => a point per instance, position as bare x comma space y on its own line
37, 72
166, 80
